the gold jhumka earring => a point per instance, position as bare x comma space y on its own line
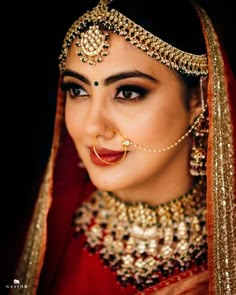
199, 147
198, 153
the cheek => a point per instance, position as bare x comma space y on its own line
154, 127
160, 126
73, 121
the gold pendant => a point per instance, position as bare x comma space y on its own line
93, 45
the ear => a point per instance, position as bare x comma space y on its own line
198, 98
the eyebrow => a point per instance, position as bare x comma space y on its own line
111, 79
126, 75
76, 75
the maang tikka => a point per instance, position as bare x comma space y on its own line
93, 45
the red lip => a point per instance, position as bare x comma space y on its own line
106, 155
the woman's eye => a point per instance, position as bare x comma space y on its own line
74, 90
130, 92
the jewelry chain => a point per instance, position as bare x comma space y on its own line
128, 142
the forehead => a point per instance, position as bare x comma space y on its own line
121, 56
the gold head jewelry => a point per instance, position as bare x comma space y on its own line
122, 143
92, 42
92, 45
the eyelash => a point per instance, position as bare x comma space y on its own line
130, 90
124, 93
71, 87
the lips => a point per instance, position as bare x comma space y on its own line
106, 155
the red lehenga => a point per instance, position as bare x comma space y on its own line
54, 262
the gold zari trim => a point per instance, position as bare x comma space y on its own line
137, 36
223, 184
29, 265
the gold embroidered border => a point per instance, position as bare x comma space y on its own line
31, 261
28, 269
223, 184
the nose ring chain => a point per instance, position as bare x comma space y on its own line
125, 143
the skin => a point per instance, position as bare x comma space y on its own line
154, 120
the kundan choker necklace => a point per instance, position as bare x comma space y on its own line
142, 244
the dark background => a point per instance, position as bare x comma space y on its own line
31, 41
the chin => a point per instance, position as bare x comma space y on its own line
107, 183
106, 186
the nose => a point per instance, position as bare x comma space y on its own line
98, 119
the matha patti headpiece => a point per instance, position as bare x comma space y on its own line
93, 43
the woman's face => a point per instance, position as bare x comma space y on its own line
140, 98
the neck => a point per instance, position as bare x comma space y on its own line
156, 195
172, 182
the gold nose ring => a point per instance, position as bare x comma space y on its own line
124, 143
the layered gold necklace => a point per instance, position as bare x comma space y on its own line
145, 245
